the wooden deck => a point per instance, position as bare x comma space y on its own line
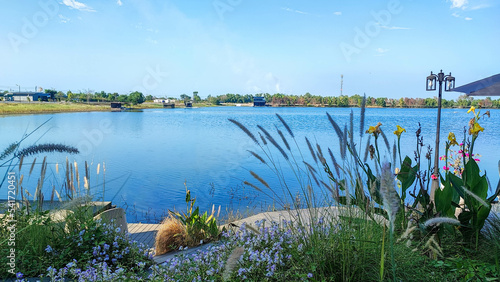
143, 233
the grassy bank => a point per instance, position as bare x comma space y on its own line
32, 108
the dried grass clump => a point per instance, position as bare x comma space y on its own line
171, 235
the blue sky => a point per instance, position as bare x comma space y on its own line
166, 48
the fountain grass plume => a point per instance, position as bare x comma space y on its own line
334, 161
283, 138
286, 126
320, 154
386, 141
242, 127
46, 148
256, 176
441, 220
310, 166
311, 150
343, 145
253, 186
257, 156
391, 203
335, 126
232, 262
9, 150
362, 117
263, 139
367, 149
271, 139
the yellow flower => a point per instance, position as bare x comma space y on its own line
399, 130
473, 109
452, 139
374, 129
476, 129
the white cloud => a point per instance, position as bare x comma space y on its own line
295, 11
458, 3
468, 19
119, 2
381, 50
480, 6
78, 5
393, 27
337, 13
64, 19
456, 15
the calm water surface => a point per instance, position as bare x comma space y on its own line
149, 155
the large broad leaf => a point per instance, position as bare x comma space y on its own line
471, 171
482, 214
407, 176
444, 197
457, 184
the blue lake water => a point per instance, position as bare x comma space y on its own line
149, 155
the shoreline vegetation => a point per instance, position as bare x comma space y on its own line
15, 108
100, 101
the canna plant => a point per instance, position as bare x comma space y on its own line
199, 227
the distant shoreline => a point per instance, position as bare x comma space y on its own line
17, 108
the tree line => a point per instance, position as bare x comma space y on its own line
282, 100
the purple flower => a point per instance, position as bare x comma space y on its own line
48, 249
309, 275
19, 275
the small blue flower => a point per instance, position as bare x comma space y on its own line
19, 275
309, 275
48, 249
82, 232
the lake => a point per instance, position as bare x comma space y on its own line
149, 155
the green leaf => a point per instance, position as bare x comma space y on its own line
471, 171
407, 175
443, 197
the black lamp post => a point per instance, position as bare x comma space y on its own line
431, 86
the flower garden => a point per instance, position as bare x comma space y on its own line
388, 222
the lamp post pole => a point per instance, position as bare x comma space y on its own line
430, 86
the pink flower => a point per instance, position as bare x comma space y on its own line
460, 151
434, 177
466, 154
446, 168
477, 160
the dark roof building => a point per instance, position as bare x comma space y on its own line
259, 101
28, 96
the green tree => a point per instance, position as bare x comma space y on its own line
149, 98
136, 98
380, 102
185, 97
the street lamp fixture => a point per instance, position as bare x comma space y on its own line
19, 87
431, 85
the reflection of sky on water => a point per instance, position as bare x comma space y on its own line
149, 155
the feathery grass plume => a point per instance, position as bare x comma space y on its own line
394, 153
439, 220
232, 262
263, 139
367, 148
434, 247
409, 229
327, 186
343, 145
313, 174
362, 117
320, 154
21, 162
386, 141
389, 195
47, 148
271, 139
286, 126
171, 235
351, 126
311, 150
253, 186
242, 127
334, 161
257, 156
256, 176
283, 138
32, 166
9, 150
335, 126
309, 166
57, 168
476, 197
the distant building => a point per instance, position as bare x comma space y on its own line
259, 101
29, 96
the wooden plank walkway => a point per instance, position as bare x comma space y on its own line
144, 233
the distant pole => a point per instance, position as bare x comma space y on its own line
19, 87
341, 83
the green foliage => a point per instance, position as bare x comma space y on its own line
198, 226
136, 98
468, 269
